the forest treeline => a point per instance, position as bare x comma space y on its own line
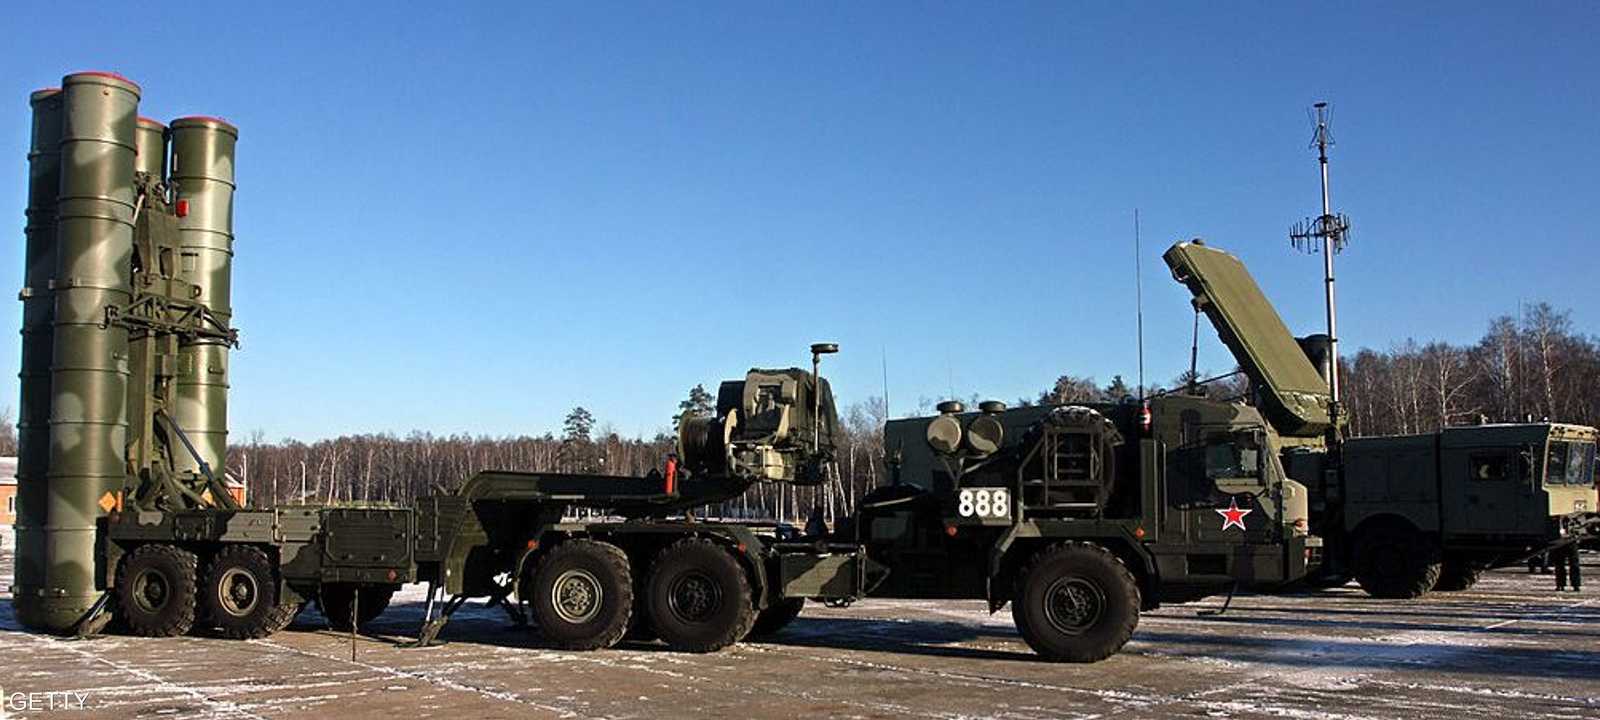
1530, 366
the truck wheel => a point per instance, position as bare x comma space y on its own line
240, 594
639, 628
777, 616
336, 599
283, 615
156, 590
699, 597
582, 595
1076, 603
1396, 563
1457, 574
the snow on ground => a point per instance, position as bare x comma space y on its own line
1510, 648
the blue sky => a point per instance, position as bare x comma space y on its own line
471, 218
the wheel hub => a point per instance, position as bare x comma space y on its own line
150, 591
695, 597
1074, 604
237, 593
577, 596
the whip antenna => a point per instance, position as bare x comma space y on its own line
1138, 298
884, 354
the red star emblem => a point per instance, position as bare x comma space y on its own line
1233, 516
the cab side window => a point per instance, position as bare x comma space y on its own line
1232, 457
1490, 467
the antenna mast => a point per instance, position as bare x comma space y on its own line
1334, 232
1138, 293
884, 354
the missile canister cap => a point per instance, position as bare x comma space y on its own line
206, 121
102, 78
984, 434
944, 434
42, 93
151, 122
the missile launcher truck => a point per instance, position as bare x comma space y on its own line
1077, 516
1403, 515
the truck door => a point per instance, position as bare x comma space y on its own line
1218, 489
1482, 488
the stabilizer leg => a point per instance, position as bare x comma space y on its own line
429, 635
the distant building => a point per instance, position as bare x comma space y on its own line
235, 488
8, 491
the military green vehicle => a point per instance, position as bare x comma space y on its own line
1081, 515
1402, 515
1076, 516
510, 537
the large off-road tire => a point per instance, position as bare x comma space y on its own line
156, 590
283, 615
1076, 602
698, 597
336, 600
639, 628
1457, 574
1396, 563
776, 617
239, 595
581, 594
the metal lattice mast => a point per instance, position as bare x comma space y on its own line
1333, 231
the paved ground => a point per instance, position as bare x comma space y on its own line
1510, 648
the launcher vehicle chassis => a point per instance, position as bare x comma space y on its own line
998, 505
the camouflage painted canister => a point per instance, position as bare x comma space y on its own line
202, 171
150, 144
89, 369
38, 313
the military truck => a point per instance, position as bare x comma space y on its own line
1080, 515
174, 565
1403, 515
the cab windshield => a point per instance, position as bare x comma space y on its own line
1570, 463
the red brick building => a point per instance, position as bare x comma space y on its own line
8, 491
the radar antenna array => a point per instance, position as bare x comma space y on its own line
1328, 232
1307, 235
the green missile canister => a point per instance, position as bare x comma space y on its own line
202, 171
38, 313
89, 370
150, 145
